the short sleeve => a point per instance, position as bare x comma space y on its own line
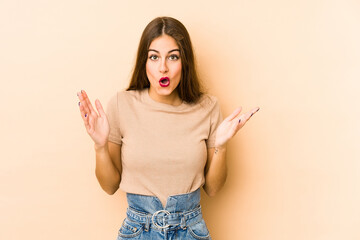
112, 114
215, 120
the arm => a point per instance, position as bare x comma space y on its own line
108, 157
215, 170
108, 166
216, 167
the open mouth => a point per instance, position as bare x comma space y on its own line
164, 82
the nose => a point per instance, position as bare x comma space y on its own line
163, 66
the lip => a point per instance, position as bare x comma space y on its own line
164, 85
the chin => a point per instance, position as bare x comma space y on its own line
165, 92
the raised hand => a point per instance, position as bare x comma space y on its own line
97, 125
231, 125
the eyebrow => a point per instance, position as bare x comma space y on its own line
168, 52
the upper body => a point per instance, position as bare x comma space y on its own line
163, 136
163, 147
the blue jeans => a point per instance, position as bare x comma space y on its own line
147, 219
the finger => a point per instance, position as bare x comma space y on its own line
88, 101
87, 104
83, 106
255, 110
100, 108
88, 108
83, 103
84, 116
233, 114
245, 117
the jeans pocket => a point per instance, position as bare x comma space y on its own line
130, 229
199, 230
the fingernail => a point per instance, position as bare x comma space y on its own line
85, 114
82, 91
79, 103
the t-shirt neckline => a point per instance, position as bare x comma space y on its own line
164, 106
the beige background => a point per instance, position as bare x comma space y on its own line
294, 169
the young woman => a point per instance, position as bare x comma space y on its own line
162, 139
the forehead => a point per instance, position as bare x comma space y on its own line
163, 43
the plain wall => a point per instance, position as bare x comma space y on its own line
294, 169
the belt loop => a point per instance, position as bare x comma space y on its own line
147, 224
183, 222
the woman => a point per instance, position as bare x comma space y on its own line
162, 139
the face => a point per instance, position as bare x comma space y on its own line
163, 68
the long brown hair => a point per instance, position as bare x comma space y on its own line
189, 88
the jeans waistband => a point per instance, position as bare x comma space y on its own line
175, 203
164, 219
179, 210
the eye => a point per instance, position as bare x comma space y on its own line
153, 57
174, 57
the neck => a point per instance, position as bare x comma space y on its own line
172, 99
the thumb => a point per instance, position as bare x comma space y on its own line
100, 108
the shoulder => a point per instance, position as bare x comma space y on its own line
208, 101
124, 96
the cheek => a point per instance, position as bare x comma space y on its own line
149, 70
177, 69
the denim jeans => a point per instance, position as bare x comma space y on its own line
147, 219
